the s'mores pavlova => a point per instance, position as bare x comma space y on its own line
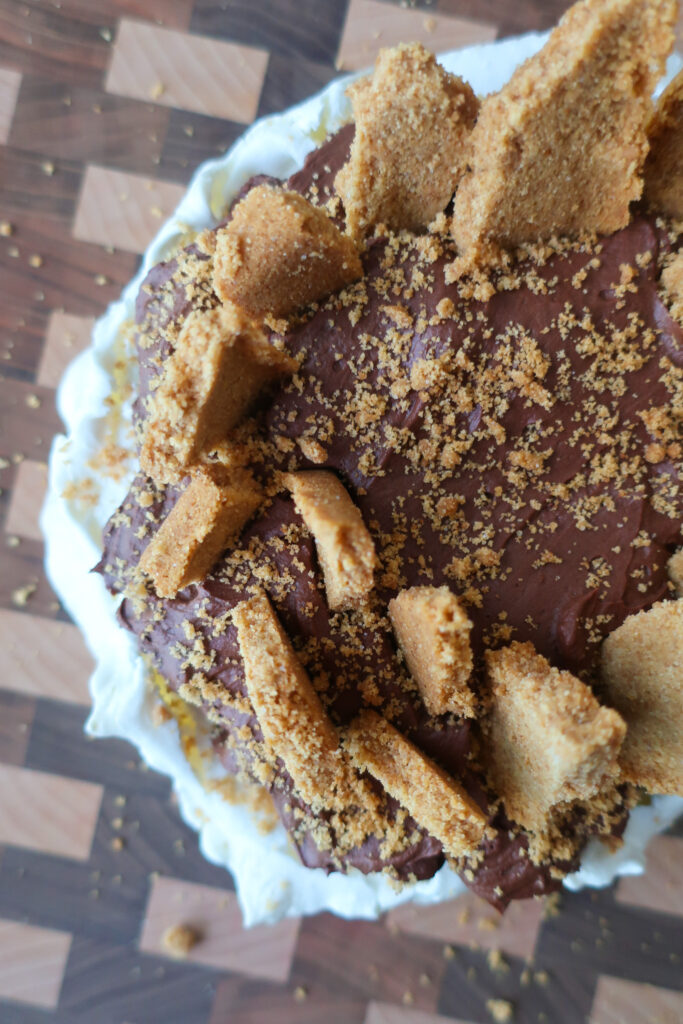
395, 551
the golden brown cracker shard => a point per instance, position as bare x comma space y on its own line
212, 509
663, 172
559, 150
220, 364
293, 721
675, 569
549, 740
672, 282
434, 633
279, 253
346, 551
435, 800
408, 153
642, 667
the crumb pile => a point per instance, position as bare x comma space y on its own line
404, 469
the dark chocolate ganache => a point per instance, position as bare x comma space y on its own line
514, 439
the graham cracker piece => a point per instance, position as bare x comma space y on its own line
212, 509
434, 799
220, 364
408, 153
642, 666
292, 719
345, 548
558, 151
549, 740
672, 280
279, 253
663, 172
675, 569
434, 633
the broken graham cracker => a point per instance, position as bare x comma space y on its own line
434, 633
292, 719
412, 122
435, 800
220, 364
346, 551
549, 740
663, 171
559, 150
642, 667
279, 253
672, 285
675, 569
212, 509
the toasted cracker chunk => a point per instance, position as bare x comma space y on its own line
409, 149
212, 509
220, 364
434, 633
434, 799
292, 719
642, 666
675, 569
559, 150
345, 548
672, 281
663, 172
549, 740
279, 253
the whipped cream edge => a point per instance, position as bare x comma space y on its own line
270, 881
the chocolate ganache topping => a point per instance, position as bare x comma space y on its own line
508, 440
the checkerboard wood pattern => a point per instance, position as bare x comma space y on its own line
106, 108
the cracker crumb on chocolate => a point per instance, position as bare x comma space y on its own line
412, 122
279, 253
433, 630
642, 667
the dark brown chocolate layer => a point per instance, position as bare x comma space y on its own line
556, 545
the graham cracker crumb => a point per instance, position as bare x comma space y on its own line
663, 171
675, 570
433, 798
179, 939
280, 253
409, 149
558, 150
220, 364
642, 667
434, 633
549, 740
212, 509
672, 281
345, 548
501, 1010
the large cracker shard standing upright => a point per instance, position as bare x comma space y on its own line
409, 149
560, 149
664, 167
